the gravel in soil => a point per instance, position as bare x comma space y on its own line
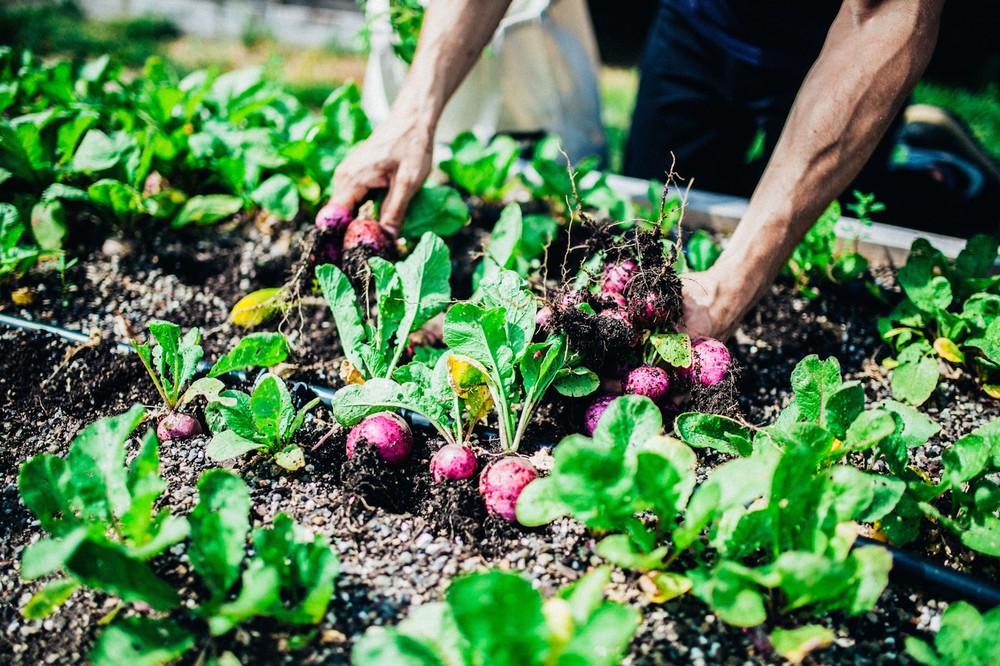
397, 549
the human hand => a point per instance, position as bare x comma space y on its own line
396, 156
706, 309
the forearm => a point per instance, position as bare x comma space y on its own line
453, 36
873, 56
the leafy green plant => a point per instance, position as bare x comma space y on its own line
482, 171
491, 365
265, 420
499, 618
966, 637
817, 256
103, 526
408, 294
772, 529
950, 313
171, 358
517, 242
493, 335
551, 179
15, 258
968, 479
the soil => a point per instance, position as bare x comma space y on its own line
400, 537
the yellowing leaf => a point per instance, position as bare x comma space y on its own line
478, 403
878, 534
890, 363
350, 374
291, 458
795, 644
662, 586
992, 390
559, 618
464, 374
254, 308
948, 350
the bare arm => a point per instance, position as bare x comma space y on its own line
874, 54
398, 153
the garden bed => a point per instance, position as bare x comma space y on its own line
395, 550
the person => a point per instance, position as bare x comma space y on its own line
871, 56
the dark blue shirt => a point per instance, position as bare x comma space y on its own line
779, 34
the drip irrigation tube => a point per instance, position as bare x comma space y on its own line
932, 577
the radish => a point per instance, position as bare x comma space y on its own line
651, 311
333, 217
542, 318
710, 361
177, 426
501, 484
617, 328
572, 298
595, 411
607, 300
648, 380
388, 432
367, 234
617, 276
453, 461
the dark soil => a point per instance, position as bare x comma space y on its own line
400, 537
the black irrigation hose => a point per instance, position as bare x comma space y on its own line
906, 567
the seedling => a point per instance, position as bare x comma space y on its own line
264, 421
497, 617
950, 314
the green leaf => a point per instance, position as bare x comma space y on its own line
629, 421
605, 637
620, 550
702, 251
47, 556
965, 459
922, 283
814, 381
428, 636
977, 257
44, 602
228, 444
439, 210
306, 567
673, 348
219, 527
48, 225
983, 535
539, 503
481, 335
279, 195
731, 594
107, 567
145, 485
843, 406
97, 462
141, 641
99, 151
576, 382
714, 432
795, 644
356, 401
260, 591
343, 302
503, 244
425, 278
123, 200
271, 406
257, 350
868, 430
207, 209
45, 483
509, 630
915, 379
